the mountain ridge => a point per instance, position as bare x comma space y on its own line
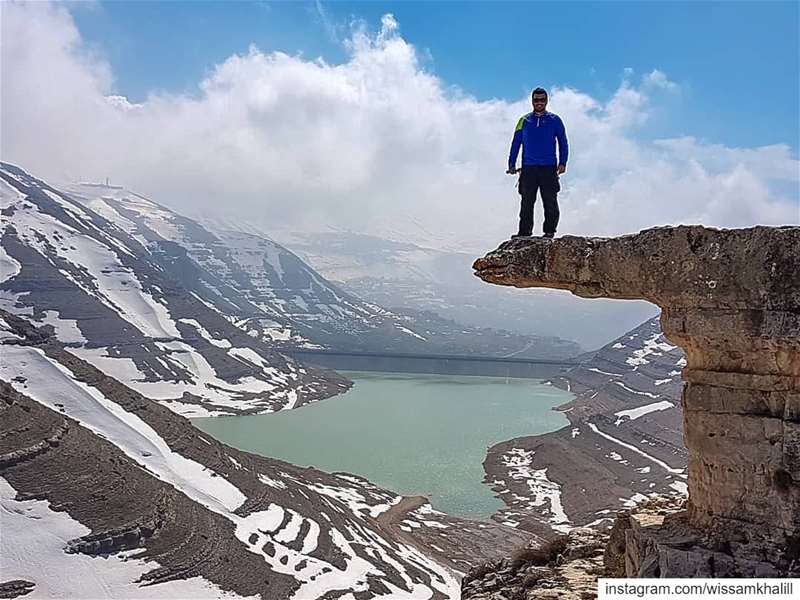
116, 305
284, 301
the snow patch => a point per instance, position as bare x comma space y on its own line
519, 463
277, 334
652, 346
206, 335
205, 384
680, 487
660, 463
8, 266
594, 370
635, 413
354, 499
409, 332
6, 334
637, 392
66, 330
271, 482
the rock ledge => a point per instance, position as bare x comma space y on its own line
731, 300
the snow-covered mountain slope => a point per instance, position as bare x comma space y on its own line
120, 304
264, 287
402, 275
270, 293
107, 494
624, 441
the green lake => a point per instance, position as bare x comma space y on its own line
411, 433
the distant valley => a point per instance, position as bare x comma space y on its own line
406, 276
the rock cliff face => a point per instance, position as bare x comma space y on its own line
731, 300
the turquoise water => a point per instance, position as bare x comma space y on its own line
411, 433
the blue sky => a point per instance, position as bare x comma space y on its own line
736, 63
676, 113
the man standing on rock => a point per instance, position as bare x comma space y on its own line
537, 132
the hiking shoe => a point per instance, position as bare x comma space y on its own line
521, 235
549, 236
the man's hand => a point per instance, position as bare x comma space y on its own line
512, 171
561, 169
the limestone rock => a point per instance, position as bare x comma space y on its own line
614, 557
565, 568
731, 300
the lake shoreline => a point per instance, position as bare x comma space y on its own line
400, 433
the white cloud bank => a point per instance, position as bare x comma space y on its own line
375, 145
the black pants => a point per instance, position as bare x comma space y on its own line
531, 180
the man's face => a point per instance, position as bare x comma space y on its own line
539, 102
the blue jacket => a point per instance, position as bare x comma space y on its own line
538, 136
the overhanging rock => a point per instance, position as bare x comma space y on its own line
731, 300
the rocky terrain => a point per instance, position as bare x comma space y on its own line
730, 299
623, 444
106, 493
565, 567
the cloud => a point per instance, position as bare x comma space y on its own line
375, 144
658, 79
